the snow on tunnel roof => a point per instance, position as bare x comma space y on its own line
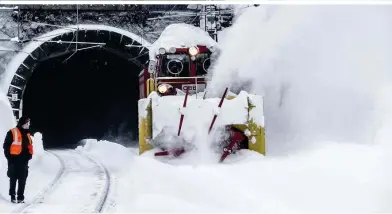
18, 59
181, 35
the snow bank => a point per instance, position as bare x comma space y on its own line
38, 147
7, 121
7, 117
181, 35
113, 155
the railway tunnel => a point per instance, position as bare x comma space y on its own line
73, 95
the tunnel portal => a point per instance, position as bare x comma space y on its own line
91, 93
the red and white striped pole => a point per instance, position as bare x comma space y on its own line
219, 106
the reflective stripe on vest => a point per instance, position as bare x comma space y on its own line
30, 146
16, 145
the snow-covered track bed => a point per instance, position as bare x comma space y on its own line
46, 190
84, 187
106, 190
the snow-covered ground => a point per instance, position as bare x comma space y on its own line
311, 181
325, 74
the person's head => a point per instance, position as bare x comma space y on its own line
24, 122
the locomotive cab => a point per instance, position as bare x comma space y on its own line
176, 69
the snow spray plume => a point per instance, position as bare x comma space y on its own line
319, 68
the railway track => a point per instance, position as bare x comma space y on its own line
41, 195
102, 201
84, 181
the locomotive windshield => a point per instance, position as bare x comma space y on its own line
202, 63
178, 65
175, 65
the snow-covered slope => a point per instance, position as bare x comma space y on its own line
7, 121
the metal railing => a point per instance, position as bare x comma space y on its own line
168, 78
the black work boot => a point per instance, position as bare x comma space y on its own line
13, 200
20, 200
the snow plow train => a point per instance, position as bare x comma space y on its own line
174, 110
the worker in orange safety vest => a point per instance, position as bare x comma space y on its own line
18, 149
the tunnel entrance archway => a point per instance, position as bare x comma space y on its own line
130, 49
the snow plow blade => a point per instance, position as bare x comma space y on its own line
242, 112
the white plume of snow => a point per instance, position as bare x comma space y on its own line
319, 68
325, 74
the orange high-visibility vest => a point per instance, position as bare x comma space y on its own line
16, 145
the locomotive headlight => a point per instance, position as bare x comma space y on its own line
166, 89
172, 50
162, 89
193, 51
162, 50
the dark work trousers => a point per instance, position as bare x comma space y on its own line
17, 172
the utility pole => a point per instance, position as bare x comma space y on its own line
213, 19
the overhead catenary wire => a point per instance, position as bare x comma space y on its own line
77, 34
